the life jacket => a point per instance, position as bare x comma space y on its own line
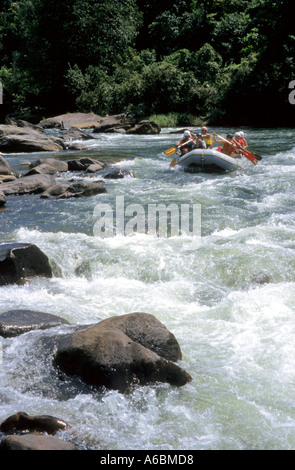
208, 141
199, 144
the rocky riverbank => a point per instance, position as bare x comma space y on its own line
21, 136
40, 178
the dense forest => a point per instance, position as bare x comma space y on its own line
215, 61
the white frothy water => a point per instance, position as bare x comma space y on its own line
229, 302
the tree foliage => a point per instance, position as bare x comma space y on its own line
225, 60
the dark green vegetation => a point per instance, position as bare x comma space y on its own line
223, 61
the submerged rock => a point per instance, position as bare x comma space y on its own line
116, 173
119, 353
70, 190
21, 260
21, 421
17, 322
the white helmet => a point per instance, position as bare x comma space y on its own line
186, 133
242, 134
238, 134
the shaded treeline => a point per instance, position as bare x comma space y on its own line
223, 61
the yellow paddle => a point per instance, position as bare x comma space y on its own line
174, 162
170, 152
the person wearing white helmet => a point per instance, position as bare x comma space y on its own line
186, 143
239, 137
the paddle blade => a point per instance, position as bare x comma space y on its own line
258, 157
170, 152
250, 157
173, 163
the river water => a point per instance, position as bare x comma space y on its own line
229, 298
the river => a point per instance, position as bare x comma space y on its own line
228, 297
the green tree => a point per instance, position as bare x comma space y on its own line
55, 34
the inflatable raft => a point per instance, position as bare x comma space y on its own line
210, 160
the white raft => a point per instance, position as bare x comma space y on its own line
210, 160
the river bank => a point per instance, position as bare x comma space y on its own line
21, 136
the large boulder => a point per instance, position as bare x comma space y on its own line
32, 184
144, 127
83, 164
17, 322
43, 169
24, 139
70, 190
147, 330
105, 356
4, 166
66, 121
21, 260
58, 165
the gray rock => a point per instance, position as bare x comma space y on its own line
94, 168
2, 199
58, 165
17, 322
66, 121
43, 169
4, 166
21, 260
25, 139
82, 164
76, 146
76, 133
70, 190
116, 173
32, 184
144, 127
7, 178
33, 441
